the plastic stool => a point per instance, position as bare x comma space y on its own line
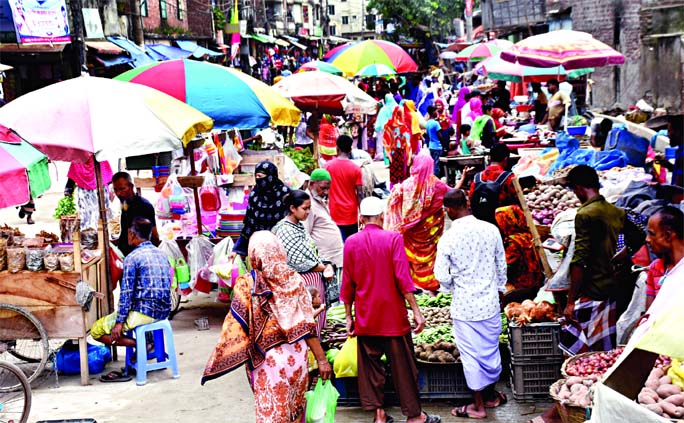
160, 331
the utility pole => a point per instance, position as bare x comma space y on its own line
469, 19
78, 36
136, 23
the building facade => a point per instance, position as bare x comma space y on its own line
350, 19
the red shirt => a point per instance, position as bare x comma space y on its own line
375, 278
655, 272
507, 195
345, 177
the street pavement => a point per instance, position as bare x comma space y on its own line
163, 399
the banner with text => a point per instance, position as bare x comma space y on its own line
41, 21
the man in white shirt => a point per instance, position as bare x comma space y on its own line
323, 230
471, 265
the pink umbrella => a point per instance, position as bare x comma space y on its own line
570, 49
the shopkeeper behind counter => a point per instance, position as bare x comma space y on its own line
132, 206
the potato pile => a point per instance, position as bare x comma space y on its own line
547, 201
436, 316
661, 396
576, 391
438, 352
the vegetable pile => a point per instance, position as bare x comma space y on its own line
548, 201
593, 364
439, 300
576, 391
65, 207
530, 312
302, 158
436, 334
438, 352
436, 316
661, 394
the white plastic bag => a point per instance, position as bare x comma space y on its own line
560, 281
171, 248
634, 311
199, 249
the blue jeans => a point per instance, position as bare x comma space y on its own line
436, 154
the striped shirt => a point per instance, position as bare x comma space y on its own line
146, 283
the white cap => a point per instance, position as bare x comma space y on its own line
372, 206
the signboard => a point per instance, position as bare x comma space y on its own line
469, 8
92, 23
41, 21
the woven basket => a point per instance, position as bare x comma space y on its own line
568, 413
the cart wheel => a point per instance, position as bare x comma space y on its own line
175, 302
15, 394
23, 341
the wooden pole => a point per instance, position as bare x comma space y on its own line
189, 152
533, 229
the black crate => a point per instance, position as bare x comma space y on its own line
442, 381
535, 341
348, 388
530, 381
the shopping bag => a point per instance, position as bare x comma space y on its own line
346, 360
321, 403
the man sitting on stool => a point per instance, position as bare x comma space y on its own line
145, 295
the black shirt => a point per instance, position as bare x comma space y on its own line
136, 207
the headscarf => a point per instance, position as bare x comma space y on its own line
408, 199
496, 115
270, 307
396, 134
385, 112
460, 102
475, 108
83, 174
266, 206
442, 117
411, 114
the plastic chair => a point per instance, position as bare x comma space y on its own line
163, 339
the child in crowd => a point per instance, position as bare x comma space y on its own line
316, 302
466, 142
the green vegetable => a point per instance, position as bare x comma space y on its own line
435, 334
440, 300
303, 159
65, 207
503, 337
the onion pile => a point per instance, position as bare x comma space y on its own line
547, 201
593, 364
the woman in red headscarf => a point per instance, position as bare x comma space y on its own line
397, 143
414, 209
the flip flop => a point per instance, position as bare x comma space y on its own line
432, 418
463, 413
115, 376
501, 397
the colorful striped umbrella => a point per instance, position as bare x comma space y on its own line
570, 49
23, 170
496, 68
230, 97
319, 65
480, 51
352, 57
376, 70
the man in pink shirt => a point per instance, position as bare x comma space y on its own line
346, 188
376, 279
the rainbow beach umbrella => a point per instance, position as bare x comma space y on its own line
498, 69
23, 170
353, 57
376, 70
319, 65
477, 52
570, 49
230, 97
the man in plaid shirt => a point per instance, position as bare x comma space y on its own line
145, 295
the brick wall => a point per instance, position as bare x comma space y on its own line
153, 19
199, 18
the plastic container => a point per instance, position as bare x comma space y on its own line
442, 381
670, 153
577, 130
530, 381
522, 108
536, 341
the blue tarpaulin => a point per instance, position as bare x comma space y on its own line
164, 52
109, 61
197, 51
140, 58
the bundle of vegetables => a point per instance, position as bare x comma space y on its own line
333, 336
530, 312
574, 391
431, 335
65, 207
438, 352
594, 364
439, 300
547, 201
302, 158
336, 314
503, 337
661, 395
436, 316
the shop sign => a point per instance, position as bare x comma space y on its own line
41, 21
318, 31
92, 23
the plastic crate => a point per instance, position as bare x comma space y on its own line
442, 381
348, 388
534, 342
530, 381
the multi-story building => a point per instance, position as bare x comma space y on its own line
349, 19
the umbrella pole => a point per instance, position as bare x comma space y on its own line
105, 236
189, 152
